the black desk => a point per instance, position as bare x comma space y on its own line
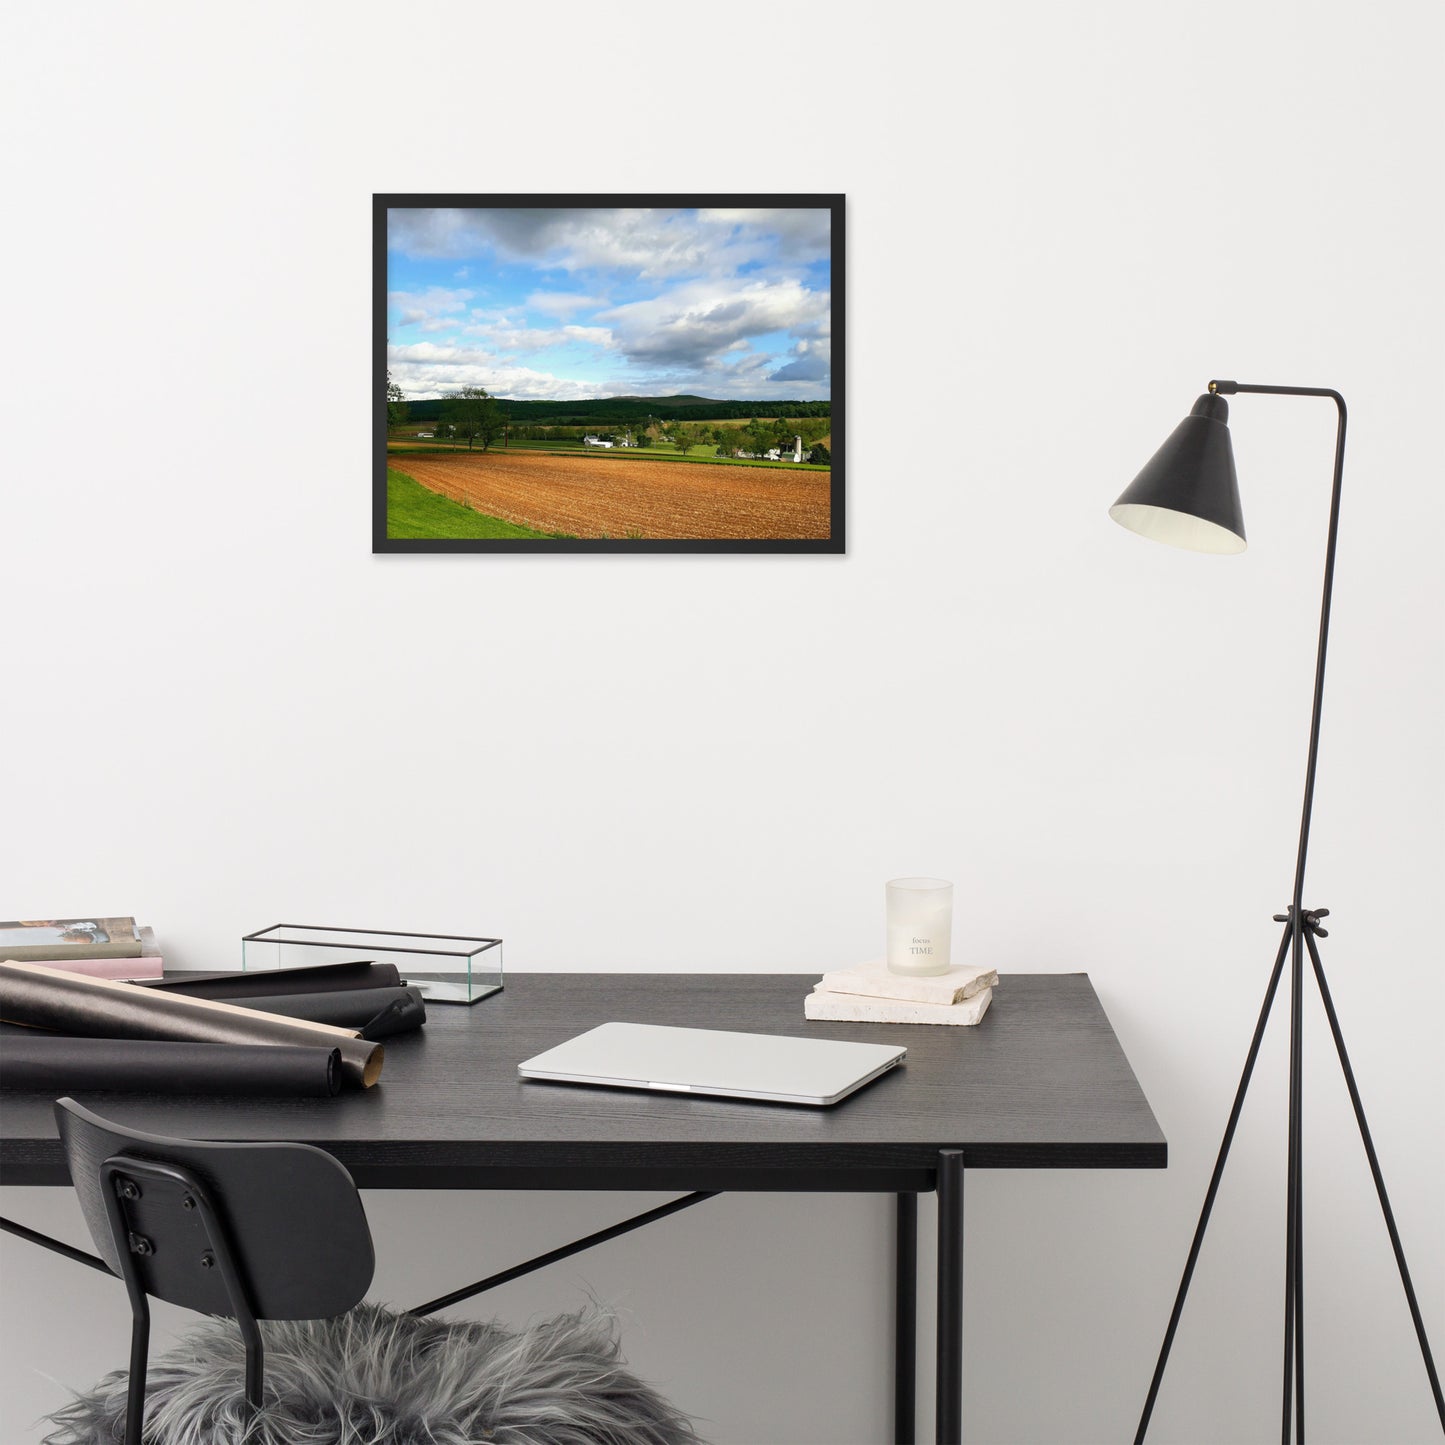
1041, 1083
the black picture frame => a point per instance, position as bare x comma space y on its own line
835, 542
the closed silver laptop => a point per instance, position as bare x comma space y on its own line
714, 1061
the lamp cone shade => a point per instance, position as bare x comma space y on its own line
1188, 495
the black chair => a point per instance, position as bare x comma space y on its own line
277, 1232
247, 1231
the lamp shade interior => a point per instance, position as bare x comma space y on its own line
1187, 494
1176, 529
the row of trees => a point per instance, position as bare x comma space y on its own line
614, 412
396, 407
472, 413
757, 438
636, 435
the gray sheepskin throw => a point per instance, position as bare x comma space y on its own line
371, 1377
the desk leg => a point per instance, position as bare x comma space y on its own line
905, 1321
950, 1298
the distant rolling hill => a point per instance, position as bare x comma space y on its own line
599, 411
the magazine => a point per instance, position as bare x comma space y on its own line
45, 938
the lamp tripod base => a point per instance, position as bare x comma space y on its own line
1301, 932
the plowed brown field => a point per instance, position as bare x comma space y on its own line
588, 496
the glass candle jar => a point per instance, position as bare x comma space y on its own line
920, 925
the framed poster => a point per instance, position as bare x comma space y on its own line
608, 373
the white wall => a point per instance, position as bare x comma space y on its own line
1063, 220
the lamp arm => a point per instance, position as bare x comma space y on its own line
1229, 388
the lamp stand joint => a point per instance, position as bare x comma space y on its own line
1309, 919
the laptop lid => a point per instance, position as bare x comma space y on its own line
714, 1061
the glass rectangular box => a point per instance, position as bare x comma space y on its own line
448, 968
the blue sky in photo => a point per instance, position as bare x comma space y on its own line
549, 303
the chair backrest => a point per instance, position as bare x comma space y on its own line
285, 1218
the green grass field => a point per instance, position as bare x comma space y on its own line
662, 452
413, 511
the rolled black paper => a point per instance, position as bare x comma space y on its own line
102, 1008
271, 982
395, 1018
350, 1008
56, 1065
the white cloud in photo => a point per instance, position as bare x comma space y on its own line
804, 234
688, 325
812, 361
636, 241
509, 336
430, 353
425, 370
563, 303
640, 240
435, 304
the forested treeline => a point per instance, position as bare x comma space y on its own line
611, 409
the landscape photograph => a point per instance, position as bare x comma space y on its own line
623, 374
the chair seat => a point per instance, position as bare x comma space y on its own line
372, 1377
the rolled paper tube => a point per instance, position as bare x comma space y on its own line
395, 1018
54, 1064
271, 982
45, 998
351, 1008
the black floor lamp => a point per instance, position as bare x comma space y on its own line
1187, 496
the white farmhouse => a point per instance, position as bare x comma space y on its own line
775, 454
595, 442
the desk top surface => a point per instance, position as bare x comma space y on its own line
1041, 1082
